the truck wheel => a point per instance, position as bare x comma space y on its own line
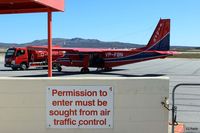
23, 66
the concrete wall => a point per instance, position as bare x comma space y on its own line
137, 104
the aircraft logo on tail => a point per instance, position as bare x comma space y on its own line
160, 40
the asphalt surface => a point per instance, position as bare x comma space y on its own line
179, 71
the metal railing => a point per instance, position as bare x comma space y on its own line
174, 109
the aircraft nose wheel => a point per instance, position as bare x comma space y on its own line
59, 68
85, 70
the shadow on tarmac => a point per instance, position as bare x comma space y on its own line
109, 73
32, 69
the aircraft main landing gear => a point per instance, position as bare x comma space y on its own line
85, 70
59, 68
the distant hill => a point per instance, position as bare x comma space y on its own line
75, 42
6, 45
86, 43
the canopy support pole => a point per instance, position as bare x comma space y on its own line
49, 44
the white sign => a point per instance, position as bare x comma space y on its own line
79, 107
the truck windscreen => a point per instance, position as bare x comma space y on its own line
10, 53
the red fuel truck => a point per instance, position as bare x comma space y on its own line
25, 57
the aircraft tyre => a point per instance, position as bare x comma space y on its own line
85, 70
59, 68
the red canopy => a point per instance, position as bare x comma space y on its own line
30, 6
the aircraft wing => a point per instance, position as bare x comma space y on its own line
83, 50
87, 50
97, 50
58, 48
41, 48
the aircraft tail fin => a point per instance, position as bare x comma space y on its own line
160, 40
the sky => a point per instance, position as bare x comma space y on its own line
131, 21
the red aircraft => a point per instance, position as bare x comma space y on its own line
157, 47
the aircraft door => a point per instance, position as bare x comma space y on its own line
96, 60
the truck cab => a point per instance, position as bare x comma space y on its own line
17, 58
